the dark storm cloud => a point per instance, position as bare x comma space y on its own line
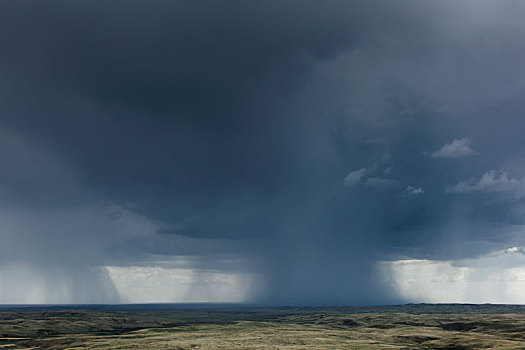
235, 127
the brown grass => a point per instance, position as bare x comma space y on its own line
263, 329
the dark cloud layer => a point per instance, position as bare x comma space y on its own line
228, 128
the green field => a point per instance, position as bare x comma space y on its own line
393, 327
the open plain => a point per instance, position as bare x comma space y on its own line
421, 326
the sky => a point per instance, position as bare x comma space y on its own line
275, 152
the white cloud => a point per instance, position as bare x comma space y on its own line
413, 191
426, 280
143, 284
378, 184
53, 256
24, 283
514, 250
492, 182
354, 177
498, 277
455, 149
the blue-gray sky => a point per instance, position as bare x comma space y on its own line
298, 141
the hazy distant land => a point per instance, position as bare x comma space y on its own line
413, 326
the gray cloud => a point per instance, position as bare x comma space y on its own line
223, 131
492, 181
458, 148
354, 177
413, 191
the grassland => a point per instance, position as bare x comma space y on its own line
394, 327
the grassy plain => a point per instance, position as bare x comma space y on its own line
390, 327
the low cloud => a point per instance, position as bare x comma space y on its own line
354, 177
492, 182
456, 149
514, 250
140, 284
379, 184
497, 277
413, 191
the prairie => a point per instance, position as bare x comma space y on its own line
422, 326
